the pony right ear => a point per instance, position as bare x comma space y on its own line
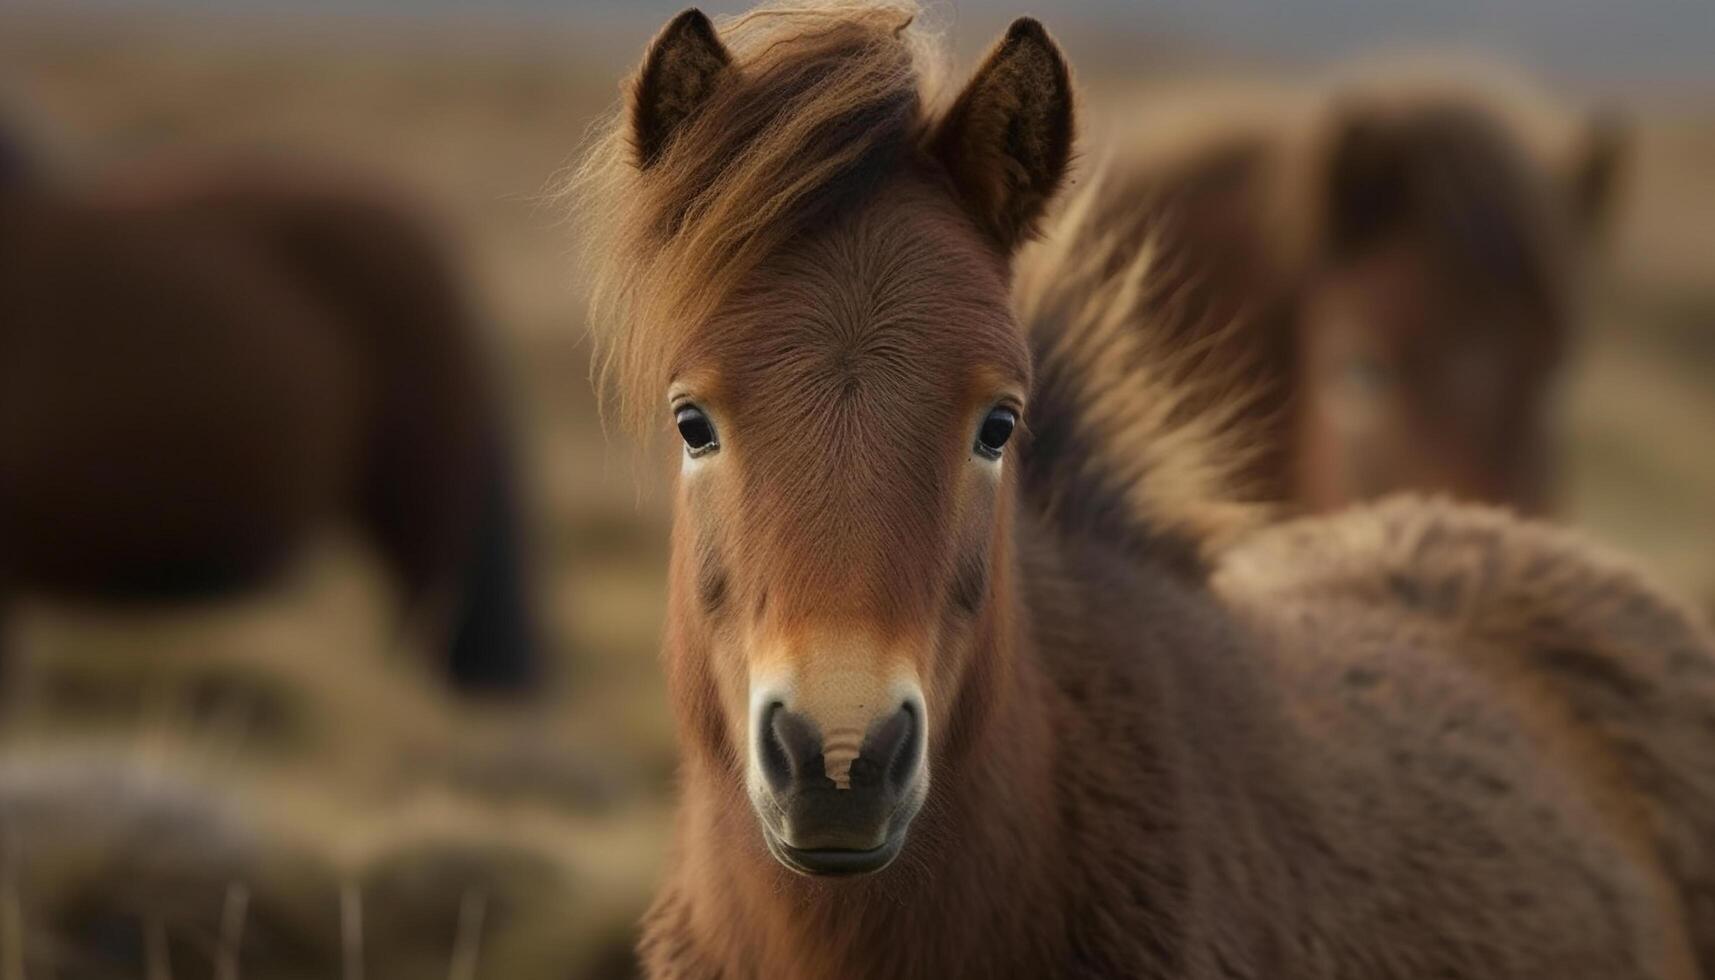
685, 65
1007, 140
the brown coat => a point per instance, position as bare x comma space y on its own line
1154, 748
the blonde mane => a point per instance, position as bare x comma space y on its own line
1162, 413
819, 96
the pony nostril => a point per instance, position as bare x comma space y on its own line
771, 755
790, 750
892, 748
904, 768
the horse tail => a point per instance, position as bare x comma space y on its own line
442, 497
492, 643
437, 488
441, 504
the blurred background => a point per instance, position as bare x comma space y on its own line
276, 784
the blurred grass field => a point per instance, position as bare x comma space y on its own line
339, 757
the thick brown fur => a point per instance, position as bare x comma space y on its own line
206, 366
1136, 773
1620, 672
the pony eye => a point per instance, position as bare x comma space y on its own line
996, 430
696, 429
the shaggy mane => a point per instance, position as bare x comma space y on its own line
822, 97
1144, 420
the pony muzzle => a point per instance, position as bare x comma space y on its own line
835, 791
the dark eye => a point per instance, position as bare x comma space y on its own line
696, 429
996, 430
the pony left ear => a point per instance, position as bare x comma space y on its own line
1007, 140
1598, 169
1365, 184
685, 64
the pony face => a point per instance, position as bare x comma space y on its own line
845, 410
841, 508
1417, 378
1432, 325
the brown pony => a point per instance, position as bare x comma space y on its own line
957, 695
201, 368
1444, 289
1410, 256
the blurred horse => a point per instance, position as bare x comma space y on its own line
958, 693
1438, 308
200, 369
1408, 262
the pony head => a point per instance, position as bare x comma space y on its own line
806, 277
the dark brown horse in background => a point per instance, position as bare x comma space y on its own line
201, 369
956, 694
1449, 283
1407, 257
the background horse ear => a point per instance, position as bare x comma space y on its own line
1007, 141
12, 165
685, 63
18, 164
1598, 169
1366, 182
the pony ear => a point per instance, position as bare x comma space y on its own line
19, 165
685, 64
1598, 169
1007, 140
1366, 182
